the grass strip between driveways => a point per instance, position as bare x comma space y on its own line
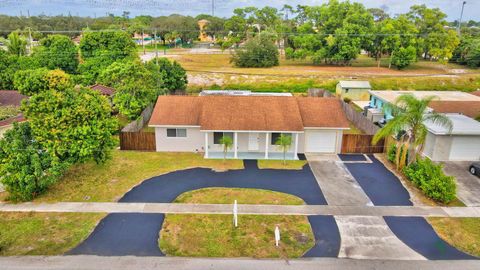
278, 164
107, 182
44, 233
462, 233
215, 236
242, 195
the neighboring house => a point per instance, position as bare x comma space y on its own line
354, 90
445, 102
461, 144
10, 98
104, 90
197, 123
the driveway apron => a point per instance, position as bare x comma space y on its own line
137, 234
384, 189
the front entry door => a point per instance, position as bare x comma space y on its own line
253, 141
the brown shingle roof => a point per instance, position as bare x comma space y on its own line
177, 111
261, 113
322, 112
250, 113
468, 108
11, 98
104, 90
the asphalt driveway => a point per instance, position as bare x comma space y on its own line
383, 188
137, 234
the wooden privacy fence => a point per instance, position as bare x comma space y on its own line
358, 119
141, 141
361, 143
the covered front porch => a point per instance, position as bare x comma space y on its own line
250, 145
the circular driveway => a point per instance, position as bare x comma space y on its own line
137, 234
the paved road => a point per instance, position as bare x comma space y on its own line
114, 236
172, 263
468, 186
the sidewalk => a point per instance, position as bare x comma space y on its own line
178, 208
129, 262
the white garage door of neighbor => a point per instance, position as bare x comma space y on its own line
465, 148
320, 141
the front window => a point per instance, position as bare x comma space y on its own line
275, 137
176, 132
217, 136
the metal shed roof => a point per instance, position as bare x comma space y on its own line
355, 84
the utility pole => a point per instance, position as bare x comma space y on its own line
156, 49
460, 21
143, 41
213, 8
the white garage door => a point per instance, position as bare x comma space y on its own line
320, 141
465, 148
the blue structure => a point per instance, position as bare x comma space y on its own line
376, 102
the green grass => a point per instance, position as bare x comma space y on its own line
278, 164
108, 182
216, 72
43, 233
462, 233
242, 195
215, 236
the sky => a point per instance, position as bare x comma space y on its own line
223, 8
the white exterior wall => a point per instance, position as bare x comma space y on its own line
194, 142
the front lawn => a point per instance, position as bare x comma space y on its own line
462, 233
242, 195
44, 233
215, 236
108, 182
278, 164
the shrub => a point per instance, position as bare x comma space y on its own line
259, 51
391, 153
430, 178
403, 57
347, 99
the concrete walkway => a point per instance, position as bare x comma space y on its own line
146, 263
179, 208
337, 184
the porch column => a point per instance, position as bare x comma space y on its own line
235, 144
266, 145
296, 146
206, 144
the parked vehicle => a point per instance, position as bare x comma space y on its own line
475, 168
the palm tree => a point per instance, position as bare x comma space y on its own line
16, 44
227, 143
284, 142
408, 126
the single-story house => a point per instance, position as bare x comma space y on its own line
462, 143
197, 123
353, 90
445, 102
10, 98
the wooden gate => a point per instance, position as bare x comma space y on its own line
141, 141
360, 143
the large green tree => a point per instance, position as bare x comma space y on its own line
58, 52
136, 87
259, 51
73, 124
170, 74
434, 40
26, 168
34, 81
16, 44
